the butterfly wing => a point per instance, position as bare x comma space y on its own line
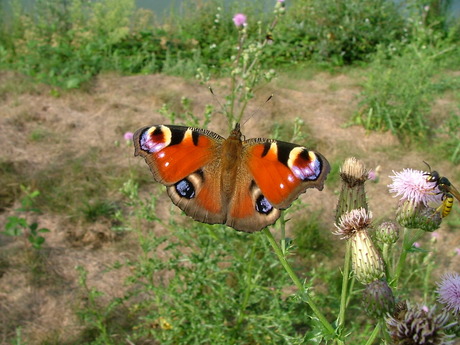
284, 170
186, 161
279, 172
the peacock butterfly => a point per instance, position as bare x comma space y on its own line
241, 183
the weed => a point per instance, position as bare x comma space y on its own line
92, 211
309, 237
19, 226
396, 95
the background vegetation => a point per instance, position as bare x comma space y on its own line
406, 56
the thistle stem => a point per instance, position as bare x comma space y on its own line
407, 244
303, 293
345, 280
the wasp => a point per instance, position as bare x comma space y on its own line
447, 190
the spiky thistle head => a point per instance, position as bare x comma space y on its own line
413, 185
352, 194
367, 263
387, 232
415, 193
419, 325
378, 299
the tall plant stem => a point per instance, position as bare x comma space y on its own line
408, 241
344, 294
303, 293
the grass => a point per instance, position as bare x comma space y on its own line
225, 288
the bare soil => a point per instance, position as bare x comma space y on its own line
40, 132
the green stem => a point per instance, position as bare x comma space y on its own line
402, 257
283, 234
386, 258
344, 294
408, 242
373, 335
303, 293
248, 290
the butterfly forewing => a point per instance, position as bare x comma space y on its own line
168, 150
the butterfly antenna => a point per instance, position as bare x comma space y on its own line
216, 99
258, 109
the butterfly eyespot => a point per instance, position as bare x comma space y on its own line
263, 205
185, 189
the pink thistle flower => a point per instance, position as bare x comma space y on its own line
371, 175
239, 19
416, 245
457, 251
412, 185
128, 136
449, 292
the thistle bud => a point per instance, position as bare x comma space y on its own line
387, 233
378, 299
366, 260
352, 195
367, 263
416, 215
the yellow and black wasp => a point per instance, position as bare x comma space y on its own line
447, 190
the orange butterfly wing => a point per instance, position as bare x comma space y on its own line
181, 158
284, 170
272, 174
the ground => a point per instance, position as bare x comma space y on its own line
44, 131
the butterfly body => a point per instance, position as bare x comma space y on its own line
241, 183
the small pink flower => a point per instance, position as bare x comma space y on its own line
239, 19
416, 245
371, 175
280, 0
128, 136
412, 185
457, 251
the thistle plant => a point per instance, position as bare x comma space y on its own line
413, 212
246, 71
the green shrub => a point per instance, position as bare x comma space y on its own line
340, 32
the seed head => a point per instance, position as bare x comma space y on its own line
419, 325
